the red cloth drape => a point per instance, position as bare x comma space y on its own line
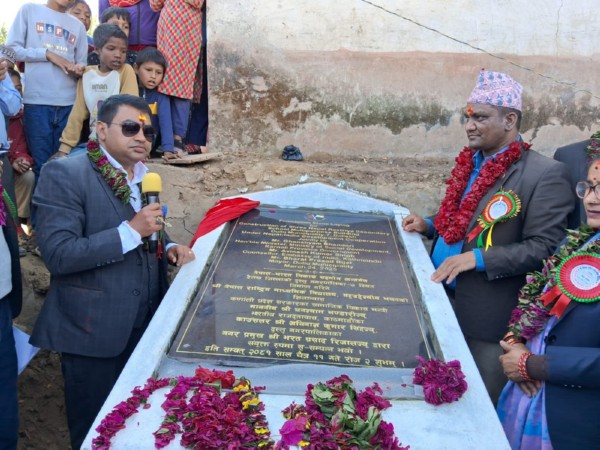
224, 211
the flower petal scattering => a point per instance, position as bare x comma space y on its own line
442, 382
196, 409
335, 416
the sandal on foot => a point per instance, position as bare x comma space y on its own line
194, 149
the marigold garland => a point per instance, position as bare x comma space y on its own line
455, 213
195, 409
530, 316
115, 178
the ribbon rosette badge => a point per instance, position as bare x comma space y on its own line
577, 278
502, 206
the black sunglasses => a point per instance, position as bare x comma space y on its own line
129, 128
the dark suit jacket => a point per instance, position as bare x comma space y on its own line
573, 386
95, 290
10, 234
575, 157
484, 300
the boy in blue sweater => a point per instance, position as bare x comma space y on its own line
150, 68
53, 46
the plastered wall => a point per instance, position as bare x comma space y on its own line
391, 78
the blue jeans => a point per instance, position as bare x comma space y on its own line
9, 409
44, 125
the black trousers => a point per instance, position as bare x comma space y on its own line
9, 412
88, 382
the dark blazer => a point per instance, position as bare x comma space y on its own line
575, 157
10, 234
484, 300
95, 290
573, 386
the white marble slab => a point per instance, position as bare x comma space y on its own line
471, 423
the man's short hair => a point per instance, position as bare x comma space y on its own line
151, 54
105, 31
504, 111
115, 11
110, 106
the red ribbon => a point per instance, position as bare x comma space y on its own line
561, 304
475, 232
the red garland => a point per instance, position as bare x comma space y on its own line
455, 213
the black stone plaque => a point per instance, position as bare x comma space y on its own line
297, 285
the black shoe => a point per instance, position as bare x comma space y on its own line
292, 153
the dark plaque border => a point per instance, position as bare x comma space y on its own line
303, 285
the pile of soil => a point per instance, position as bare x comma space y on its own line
190, 191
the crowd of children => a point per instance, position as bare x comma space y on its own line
54, 79
66, 75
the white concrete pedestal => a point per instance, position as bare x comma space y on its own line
470, 423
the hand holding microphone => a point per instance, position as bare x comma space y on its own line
151, 187
148, 221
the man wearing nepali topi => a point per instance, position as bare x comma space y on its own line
504, 211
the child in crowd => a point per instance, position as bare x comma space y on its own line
179, 38
20, 158
81, 10
112, 76
53, 46
150, 68
120, 17
143, 21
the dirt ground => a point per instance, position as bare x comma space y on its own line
189, 191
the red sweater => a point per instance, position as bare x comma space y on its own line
16, 133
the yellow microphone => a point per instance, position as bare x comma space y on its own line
151, 187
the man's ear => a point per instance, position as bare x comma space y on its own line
101, 131
510, 121
136, 68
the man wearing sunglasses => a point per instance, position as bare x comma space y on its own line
105, 286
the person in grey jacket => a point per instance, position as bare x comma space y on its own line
505, 210
105, 285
